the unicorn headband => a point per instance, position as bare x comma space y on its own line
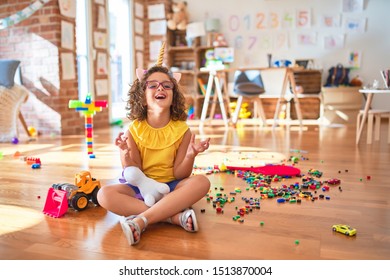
141, 72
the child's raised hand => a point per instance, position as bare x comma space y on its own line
195, 148
120, 141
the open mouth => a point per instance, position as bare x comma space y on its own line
160, 96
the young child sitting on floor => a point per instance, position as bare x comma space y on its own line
157, 151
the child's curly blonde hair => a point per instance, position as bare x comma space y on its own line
136, 104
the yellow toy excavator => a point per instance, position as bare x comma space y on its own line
77, 196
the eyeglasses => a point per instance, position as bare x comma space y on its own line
154, 84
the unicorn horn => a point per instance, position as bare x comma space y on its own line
161, 55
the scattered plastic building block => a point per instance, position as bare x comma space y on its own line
88, 108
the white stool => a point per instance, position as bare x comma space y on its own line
374, 115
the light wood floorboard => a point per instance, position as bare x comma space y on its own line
95, 234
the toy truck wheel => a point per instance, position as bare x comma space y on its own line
94, 196
79, 201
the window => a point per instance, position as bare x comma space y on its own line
120, 18
82, 48
119, 34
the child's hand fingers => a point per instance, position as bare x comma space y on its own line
205, 142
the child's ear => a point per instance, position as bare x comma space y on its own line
177, 76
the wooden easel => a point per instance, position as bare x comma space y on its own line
215, 78
289, 79
24, 124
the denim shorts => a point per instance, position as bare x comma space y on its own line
172, 185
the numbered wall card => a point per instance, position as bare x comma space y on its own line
67, 8
101, 87
67, 35
334, 41
68, 66
102, 22
350, 6
303, 18
100, 40
354, 59
274, 20
331, 20
102, 63
355, 25
288, 20
307, 39
280, 41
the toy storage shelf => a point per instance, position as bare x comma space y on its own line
188, 60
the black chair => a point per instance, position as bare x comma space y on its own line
248, 84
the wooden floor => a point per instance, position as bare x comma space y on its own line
288, 231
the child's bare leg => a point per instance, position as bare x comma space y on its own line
120, 199
188, 192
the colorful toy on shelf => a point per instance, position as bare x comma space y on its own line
88, 109
179, 17
220, 41
76, 196
191, 112
245, 113
211, 61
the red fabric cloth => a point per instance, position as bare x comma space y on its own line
272, 170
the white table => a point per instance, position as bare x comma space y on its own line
370, 95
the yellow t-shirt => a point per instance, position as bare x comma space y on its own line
158, 147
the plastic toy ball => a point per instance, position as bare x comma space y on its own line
32, 131
15, 140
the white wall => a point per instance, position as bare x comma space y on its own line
240, 21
